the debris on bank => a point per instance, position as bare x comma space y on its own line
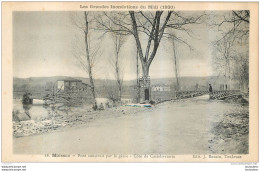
231, 131
61, 117
236, 99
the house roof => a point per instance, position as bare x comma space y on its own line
70, 79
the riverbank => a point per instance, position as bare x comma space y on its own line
190, 126
231, 133
65, 117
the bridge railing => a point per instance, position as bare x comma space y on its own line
189, 94
222, 94
213, 95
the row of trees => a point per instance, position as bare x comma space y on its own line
149, 29
231, 49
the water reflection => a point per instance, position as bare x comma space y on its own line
38, 112
29, 111
26, 108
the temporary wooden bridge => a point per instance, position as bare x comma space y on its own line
218, 95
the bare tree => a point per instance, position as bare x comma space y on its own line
224, 48
155, 36
135, 23
234, 31
241, 71
137, 78
178, 28
233, 22
116, 62
175, 64
86, 52
111, 91
173, 52
88, 57
151, 25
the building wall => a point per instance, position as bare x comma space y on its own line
161, 88
60, 85
160, 93
70, 85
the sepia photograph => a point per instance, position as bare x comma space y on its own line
132, 83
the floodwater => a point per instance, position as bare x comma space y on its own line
30, 112
39, 111
182, 127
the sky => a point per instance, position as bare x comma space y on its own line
44, 45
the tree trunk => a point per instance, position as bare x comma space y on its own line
117, 70
225, 86
226, 75
137, 79
229, 77
88, 59
145, 70
175, 66
146, 83
119, 83
156, 35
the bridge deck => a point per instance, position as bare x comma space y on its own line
213, 95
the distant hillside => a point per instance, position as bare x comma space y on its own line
37, 85
44, 80
184, 81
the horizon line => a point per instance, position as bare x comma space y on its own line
110, 79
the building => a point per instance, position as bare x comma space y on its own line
162, 92
161, 88
66, 85
68, 91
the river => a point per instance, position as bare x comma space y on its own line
38, 112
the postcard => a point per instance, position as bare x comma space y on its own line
129, 82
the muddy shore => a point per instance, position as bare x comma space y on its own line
68, 117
